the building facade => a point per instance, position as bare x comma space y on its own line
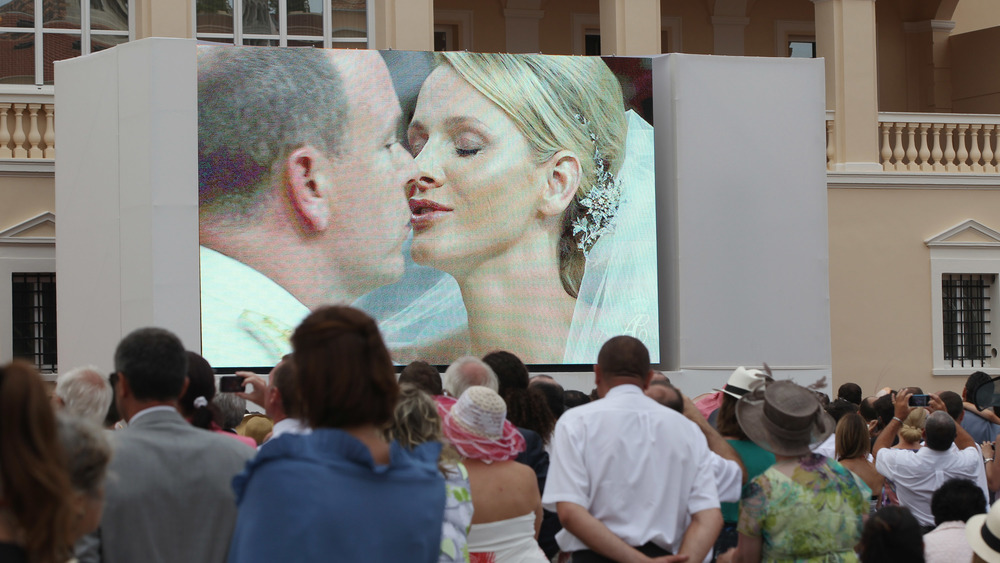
913, 123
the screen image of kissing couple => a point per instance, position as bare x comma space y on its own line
469, 202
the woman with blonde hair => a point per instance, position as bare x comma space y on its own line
528, 191
416, 421
911, 433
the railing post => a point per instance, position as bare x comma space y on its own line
886, 147
936, 153
975, 154
963, 152
34, 137
897, 150
925, 153
5, 151
50, 131
949, 148
19, 135
911, 147
988, 165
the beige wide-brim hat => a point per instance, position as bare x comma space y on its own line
784, 418
741, 382
982, 531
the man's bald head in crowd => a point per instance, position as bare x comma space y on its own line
667, 395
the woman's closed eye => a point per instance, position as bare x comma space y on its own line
468, 144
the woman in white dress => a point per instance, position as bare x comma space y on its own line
523, 174
507, 506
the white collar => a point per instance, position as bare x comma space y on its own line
624, 389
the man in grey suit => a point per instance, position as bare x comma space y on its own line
170, 498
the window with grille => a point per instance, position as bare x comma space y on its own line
285, 23
965, 312
33, 315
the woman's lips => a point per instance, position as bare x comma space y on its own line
424, 212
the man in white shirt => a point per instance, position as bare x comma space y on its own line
948, 453
727, 466
301, 191
626, 474
279, 397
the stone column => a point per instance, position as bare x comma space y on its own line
630, 27
845, 38
522, 19
404, 24
728, 36
164, 18
928, 66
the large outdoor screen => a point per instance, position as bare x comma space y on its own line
468, 202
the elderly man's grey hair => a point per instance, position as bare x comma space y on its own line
87, 453
85, 392
468, 371
232, 409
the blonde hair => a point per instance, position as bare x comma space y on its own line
546, 97
913, 427
415, 421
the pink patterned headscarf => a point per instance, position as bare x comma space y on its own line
477, 426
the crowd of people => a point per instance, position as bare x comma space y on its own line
484, 463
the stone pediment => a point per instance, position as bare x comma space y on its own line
40, 229
967, 234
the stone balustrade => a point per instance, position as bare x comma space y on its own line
933, 142
27, 130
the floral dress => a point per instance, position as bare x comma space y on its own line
814, 515
457, 516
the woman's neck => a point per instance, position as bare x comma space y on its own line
516, 302
370, 436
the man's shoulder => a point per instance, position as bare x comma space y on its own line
169, 436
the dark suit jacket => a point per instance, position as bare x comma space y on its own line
169, 495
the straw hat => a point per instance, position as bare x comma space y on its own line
784, 418
477, 426
256, 426
983, 533
741, 382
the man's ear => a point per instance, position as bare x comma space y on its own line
562, 180
122, 388
272, 397
307, 187
647, 379
184, 388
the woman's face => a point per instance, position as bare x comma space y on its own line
479, 187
